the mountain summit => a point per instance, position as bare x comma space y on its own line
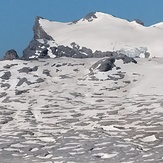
93, 35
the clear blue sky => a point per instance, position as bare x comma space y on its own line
17, 16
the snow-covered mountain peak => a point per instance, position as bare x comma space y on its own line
101, 15
107, 17
94, 35
98, 15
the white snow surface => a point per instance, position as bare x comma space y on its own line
107, 33
73, 111
158, 25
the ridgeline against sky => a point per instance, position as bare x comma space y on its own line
17, 17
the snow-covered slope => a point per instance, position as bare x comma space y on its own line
105, 32
158, 25
60, 110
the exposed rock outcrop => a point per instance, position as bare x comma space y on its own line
28, 69
39, 33
104, 64
42, 49
10, 55
125, 58
37, 49
89, 17
108, 64
6, 75
139, 22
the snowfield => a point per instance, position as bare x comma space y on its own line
105, 32
57, 110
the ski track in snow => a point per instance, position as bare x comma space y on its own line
75, 116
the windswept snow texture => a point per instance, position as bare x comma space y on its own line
61, 111
104, 32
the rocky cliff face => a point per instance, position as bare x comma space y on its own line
39, 33
37, 49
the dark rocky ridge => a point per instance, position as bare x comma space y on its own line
34, 46
139, 22
104, 64
89, 17
108, 64
65, 51
39, 33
